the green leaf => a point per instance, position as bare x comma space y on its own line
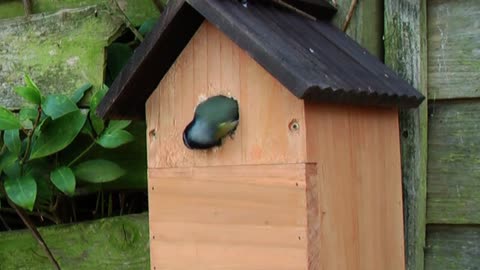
7, 159
57, 106
98, 97
12, 140
78, 94
30, 94
22, 191
64, 179
118, 124
98, 171
97, 122
8, 120
147, 26
30, 83
27, 116
57, 134
115, 138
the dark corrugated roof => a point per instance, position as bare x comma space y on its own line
313, 59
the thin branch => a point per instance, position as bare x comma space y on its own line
26, 220
349, 16
35, 214
128, 22
81, 154
294, 9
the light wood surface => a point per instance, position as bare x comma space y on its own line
229, 217
212, 64
359, 184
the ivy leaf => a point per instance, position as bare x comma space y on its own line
12, 140
98, 171
22, 191
115, 138
57, 134
78, 94
57, 106
64, 179
118, 124
8, 120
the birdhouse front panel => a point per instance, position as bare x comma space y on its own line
272, 121
300, 185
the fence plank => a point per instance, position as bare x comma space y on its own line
452, 247
453, 49
405, 52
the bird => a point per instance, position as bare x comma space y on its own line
214, 119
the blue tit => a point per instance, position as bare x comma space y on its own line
214, 119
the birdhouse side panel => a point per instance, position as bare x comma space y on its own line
271, 128
230, 217
357, 151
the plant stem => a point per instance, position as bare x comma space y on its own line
81, 154
26, 220
351, 9
5, 224
30, 136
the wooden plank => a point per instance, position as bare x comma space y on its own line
136, 10
453, 164
406, 51
112, 243
453, 49
212, 64
452, 247
60, 51
229, 217
357, 151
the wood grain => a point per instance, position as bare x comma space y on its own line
452, 247
229, 217
454, 164
357, 153
212, 64
406, 53
453, 49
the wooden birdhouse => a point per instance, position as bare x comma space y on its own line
312, 177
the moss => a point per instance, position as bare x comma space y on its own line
60, 51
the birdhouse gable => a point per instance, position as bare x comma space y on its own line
313, 59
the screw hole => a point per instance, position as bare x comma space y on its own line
294, 125
152, 133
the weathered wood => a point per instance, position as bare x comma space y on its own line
452, 247
136, 10
212, 64
357, 152
366, 26
453, 49
113, 243
229, 217
60, 51
405, 52
454, 163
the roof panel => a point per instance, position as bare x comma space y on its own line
312, 58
